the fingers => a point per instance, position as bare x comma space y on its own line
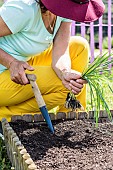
66, 84
28, 67
20, 79
73, 81
75, 86
17, 71
14, 79
81, 81
71, 76
75, 77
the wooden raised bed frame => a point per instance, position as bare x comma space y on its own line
17, 153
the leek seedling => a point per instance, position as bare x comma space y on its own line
72, 102
96, 74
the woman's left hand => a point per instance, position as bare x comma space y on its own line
73, 81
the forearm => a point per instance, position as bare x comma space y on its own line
6, 59
61, 63
60, 54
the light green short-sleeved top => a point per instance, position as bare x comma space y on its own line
29, 35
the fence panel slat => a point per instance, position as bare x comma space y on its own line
109, 25
100, 35
73, 28
92, 42
83, 30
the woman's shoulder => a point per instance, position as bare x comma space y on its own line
27, 7
27, 2
21, 3
18, 14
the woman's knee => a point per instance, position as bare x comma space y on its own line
79, 45
78, 41
79, 52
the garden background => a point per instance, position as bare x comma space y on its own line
100, 37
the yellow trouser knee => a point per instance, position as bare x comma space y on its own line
19, 100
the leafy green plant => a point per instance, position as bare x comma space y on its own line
97, 74
4, 161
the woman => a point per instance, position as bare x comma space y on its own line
35, 38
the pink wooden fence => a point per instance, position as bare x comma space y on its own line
100, 25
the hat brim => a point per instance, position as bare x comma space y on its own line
87, 12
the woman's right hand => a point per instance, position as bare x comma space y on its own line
73, 81
17, 71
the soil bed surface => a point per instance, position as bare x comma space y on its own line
76, 144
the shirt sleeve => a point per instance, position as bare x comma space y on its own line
66, 20
16, 15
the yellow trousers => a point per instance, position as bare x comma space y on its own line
17, 99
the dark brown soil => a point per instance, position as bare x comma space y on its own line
76, 145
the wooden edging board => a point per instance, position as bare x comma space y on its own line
60, 115
18, 155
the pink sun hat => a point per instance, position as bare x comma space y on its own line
77, 10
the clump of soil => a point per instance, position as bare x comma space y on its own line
76, 144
